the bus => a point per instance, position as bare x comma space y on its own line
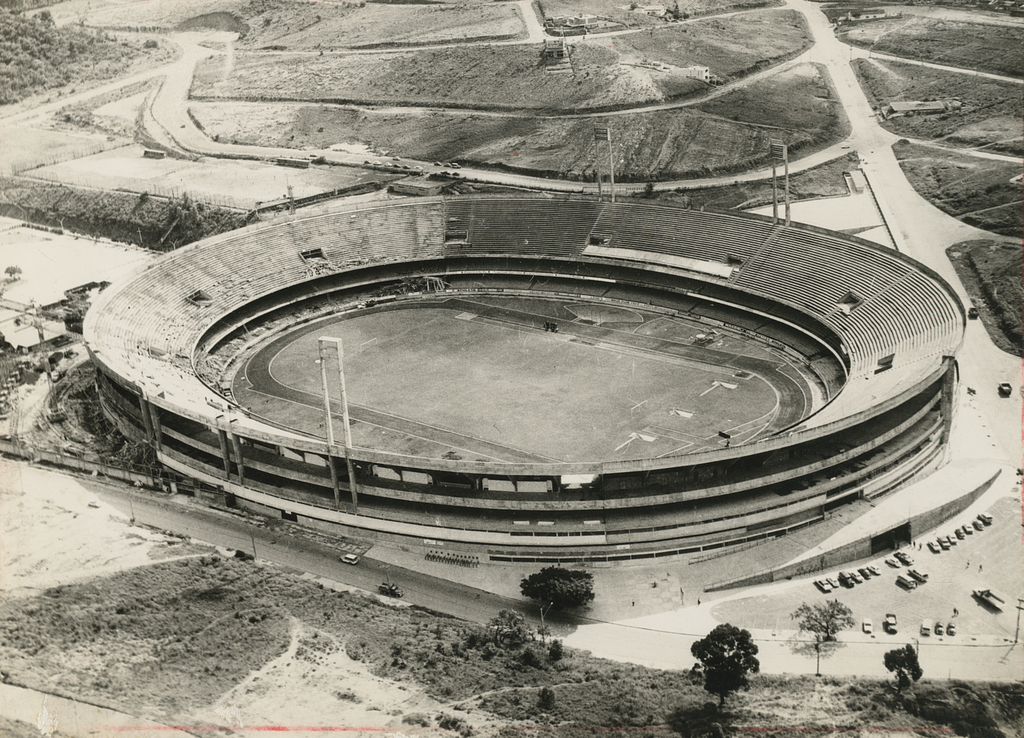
991, 598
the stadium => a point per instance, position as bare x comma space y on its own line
535, 379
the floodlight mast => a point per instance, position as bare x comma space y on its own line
778, 150
323, 346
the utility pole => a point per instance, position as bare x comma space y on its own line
1016, 634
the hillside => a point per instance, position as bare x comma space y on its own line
36, 56
179, 641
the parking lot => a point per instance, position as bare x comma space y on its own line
988, 558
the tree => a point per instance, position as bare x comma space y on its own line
824, 621
546, 700
726, 655
13, 273
904, 662
560, 587
510, 629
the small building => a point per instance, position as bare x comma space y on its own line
556, 48
697, 72
918, 107
655, 11
863, 15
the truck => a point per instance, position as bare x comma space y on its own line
991, 598
389, 589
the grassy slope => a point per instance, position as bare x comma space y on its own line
168, 640
302, 26
991, 273
987, 48
825, 180
990, 116
977, 191
36, 57
720, 136
515, 77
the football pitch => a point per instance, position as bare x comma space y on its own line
483, 379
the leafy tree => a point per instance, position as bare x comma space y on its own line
510, 629
904, 662
561, 587
726, 655
823, 621
13, 273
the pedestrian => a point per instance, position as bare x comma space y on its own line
698, 602
968, 564
979, 567
634, 603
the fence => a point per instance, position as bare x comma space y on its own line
147, 477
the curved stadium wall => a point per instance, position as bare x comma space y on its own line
877, 330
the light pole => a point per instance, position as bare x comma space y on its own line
543, 627
322, 345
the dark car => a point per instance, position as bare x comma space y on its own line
1005, 390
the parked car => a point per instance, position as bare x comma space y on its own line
855, 577
874, 570
823, 585
939, 630
1004, 389
904, 557
943, 543
863, 571
438, 164
967, 529
889, 625
934, 547
977, 524
868, 626
845, 579
918, 575
972, 313
985, 518
350, 559
959, 534
950, 540
906, 583
951, 629
926, 627
833, 582
893, 563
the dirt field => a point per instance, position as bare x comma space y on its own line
985, 47
989, 119
239, 184
513, 77
980, 192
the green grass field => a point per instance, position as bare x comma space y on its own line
488, 372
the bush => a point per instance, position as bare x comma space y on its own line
555, 651
546, 700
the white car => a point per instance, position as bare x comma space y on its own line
868, 626
350, 559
